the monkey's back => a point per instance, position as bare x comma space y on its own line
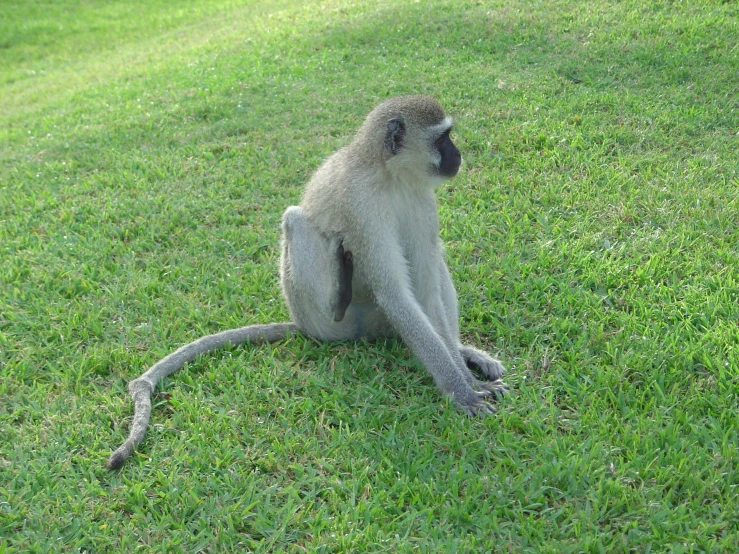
325, 196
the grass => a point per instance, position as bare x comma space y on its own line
147, 151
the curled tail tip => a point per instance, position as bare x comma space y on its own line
116, 460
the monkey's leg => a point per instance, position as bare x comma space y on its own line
316, 274
437, 313
436, 295
384, 269
473, 357
449, 299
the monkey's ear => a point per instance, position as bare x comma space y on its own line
394, 135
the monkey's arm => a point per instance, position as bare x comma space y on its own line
380, 263
142, 388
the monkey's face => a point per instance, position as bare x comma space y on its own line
421, 154
450, 158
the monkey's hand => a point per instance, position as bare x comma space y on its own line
497, 388
477, 359
476, 405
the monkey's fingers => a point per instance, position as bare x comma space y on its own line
483, 409
498, 389
478, 407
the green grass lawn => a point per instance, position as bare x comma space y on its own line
147, 150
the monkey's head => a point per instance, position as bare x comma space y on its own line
410, 135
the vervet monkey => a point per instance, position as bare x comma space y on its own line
361, 258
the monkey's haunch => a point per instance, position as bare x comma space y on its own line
142, 388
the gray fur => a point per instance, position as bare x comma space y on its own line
361, 258
382, 206
142, 388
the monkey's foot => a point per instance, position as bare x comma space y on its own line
475, 358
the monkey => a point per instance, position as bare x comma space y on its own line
361, 258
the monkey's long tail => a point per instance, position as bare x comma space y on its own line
142, 388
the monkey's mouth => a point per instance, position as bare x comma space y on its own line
450, 170
450, 164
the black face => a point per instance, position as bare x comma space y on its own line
451, 159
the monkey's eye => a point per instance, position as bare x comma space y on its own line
442, 139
